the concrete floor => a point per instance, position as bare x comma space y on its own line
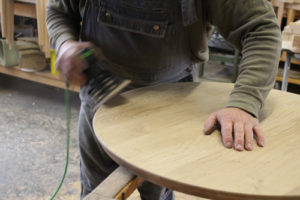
33, 140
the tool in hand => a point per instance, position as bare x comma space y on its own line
104, 84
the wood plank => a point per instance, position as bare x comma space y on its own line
290, 80
112, 185
293, 61
129, 188
26, 10
41, 77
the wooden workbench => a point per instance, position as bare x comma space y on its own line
157, 133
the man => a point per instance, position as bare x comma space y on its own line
153, 41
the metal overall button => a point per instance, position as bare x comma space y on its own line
108, 16
156, 27
144, 21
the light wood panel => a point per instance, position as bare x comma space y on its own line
290, 80
157, 132
120, 183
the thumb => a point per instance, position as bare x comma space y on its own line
210, 124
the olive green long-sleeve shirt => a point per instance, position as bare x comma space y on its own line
249, 25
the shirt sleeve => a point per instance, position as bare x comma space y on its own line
250, 26
63, 21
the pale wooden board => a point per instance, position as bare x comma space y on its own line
157, 133
111, 186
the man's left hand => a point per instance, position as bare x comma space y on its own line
237, 128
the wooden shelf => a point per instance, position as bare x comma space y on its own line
41, 77
25, 10
290, 80
293, 60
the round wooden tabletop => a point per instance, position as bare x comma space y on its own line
157, 132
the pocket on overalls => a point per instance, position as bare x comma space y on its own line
151, 22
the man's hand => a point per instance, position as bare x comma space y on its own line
237, 128
69, 63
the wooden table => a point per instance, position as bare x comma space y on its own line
157, 133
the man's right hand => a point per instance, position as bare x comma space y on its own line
69, 63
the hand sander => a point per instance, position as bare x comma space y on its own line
104, 84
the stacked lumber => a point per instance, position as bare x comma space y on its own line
291, 37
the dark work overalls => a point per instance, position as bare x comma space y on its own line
145, 41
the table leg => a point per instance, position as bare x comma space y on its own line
287, 66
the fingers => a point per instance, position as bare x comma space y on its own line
248, 137
210, 124
244, 136
239, 136
260, 138
226, 131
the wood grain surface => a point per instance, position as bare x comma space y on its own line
157, 132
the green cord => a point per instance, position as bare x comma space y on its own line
68, 116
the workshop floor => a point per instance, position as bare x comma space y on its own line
33, 141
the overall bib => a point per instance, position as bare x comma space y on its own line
145, 41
